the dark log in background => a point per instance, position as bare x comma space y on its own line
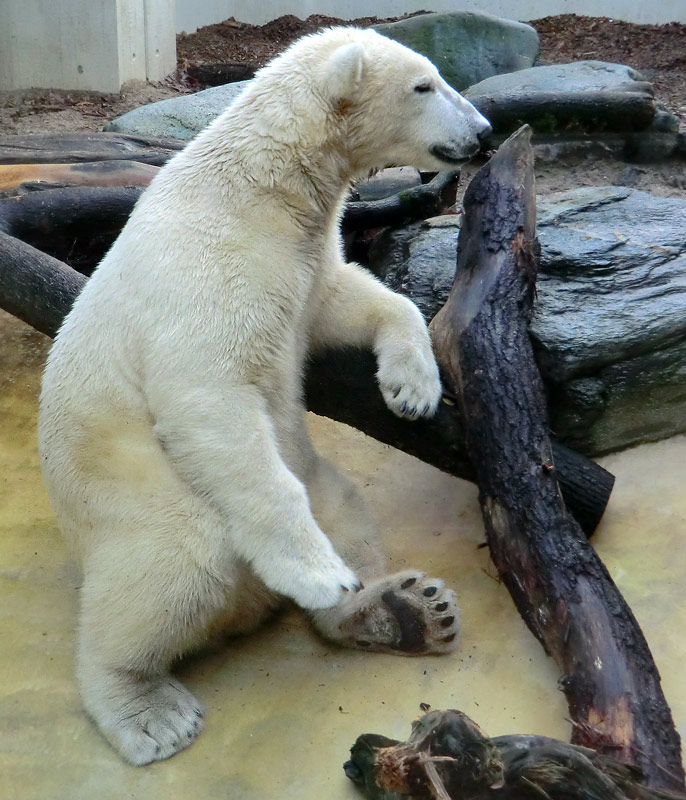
74, 224
561, 588
70, 148
77, 224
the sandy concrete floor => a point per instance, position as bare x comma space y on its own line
283, 706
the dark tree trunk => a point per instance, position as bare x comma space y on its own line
342, 385
34, 286
418, 202
571, 112
75, 224
561, 588
219, 74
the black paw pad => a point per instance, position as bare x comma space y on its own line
449, 638
442, 606
406, 584
447, 622
430, 591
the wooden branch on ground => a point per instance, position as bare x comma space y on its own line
448, 757
48, 148
419, 202
341, 385
78, 224
561, 588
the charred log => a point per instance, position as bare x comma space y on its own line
559, 585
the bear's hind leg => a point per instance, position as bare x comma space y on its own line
149, 597
405, 613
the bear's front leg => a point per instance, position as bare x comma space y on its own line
358, 310
222, 442
407, 374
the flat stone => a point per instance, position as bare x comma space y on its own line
578, 76
178, 117
466, 46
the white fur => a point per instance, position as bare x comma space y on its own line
172, 423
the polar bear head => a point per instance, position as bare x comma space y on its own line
391, 104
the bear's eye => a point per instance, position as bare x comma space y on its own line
425, 86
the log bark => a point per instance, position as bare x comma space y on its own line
342, 385
219, 74
419, 202
559, 585
74, 224
48, 148
78, 224
36, 287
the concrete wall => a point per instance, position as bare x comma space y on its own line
85, 44
192, 14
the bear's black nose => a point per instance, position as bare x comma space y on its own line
484, 135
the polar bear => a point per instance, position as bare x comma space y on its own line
171, 430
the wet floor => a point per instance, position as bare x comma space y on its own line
283, 706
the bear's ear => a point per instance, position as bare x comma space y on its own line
344, 71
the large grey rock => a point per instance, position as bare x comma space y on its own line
610, 322
578, 76
584, 96
466, 46
611, 318
613, 282
179, 117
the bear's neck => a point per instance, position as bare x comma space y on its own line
251, 150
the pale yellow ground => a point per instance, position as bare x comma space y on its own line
284, 707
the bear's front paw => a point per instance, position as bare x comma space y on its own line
314, 580
323, 586
409, 382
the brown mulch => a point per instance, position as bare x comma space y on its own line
657, 51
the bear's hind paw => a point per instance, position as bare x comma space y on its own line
155, 721
406, 613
